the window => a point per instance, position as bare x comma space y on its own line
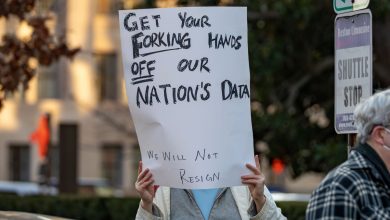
48, 82
135, 158
112, 164
43, 6
109, 6
106, 67
19, 162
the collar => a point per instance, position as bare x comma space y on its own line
374, 162
220, 192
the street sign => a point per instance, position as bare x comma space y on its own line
353, 66
342, 6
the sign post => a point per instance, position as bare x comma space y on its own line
353, 66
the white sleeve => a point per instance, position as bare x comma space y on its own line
161, 206
269, 210
142, 214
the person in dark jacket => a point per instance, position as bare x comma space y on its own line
360, 187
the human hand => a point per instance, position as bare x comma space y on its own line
145, 188
255, 183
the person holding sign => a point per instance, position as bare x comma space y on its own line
188, 87
360, 187
252, 201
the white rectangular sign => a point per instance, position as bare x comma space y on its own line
353, 66
187, 82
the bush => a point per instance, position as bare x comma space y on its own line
293, 210
102, 208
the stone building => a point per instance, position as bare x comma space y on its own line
87, 92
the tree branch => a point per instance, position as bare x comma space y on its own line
269, 15
317, 70
382, 73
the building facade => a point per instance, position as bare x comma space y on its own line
88, 92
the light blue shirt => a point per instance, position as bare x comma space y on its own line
205, 199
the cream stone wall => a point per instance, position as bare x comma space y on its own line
93, 133
98, 121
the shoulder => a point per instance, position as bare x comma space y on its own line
349, 175
345, 182
239, 189
245, 189
163, 190
342, 189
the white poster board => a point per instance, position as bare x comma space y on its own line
187, 82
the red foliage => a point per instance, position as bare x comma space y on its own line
16, 53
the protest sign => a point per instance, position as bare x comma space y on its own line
187, 82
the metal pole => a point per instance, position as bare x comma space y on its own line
351, 142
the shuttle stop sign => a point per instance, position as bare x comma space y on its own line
353, 66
